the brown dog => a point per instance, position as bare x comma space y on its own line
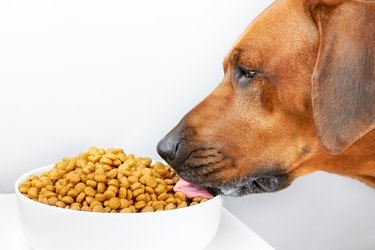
298, 96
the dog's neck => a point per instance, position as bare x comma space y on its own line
357, 162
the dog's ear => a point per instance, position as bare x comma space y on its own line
343, 82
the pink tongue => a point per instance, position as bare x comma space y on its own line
191, 190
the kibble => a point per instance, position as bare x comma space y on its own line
108, 181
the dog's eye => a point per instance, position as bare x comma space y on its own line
248, 73
244, 76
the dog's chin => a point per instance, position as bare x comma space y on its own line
248, 185
245, 185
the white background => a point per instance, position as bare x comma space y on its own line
122, 74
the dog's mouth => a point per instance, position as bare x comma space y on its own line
257, 183
208, 167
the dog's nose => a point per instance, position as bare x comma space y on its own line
168, 146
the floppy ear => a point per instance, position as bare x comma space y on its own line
343, 82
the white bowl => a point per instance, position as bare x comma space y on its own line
52, 228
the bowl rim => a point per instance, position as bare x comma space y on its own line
39, 170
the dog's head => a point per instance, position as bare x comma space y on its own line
300, 80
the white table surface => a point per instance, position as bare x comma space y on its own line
232, 233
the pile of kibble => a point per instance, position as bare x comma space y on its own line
108, 181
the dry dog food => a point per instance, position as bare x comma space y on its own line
108, 181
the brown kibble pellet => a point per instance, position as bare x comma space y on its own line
114, 183
106, 161
91, 183
124, 203
110, 155
94, 158
23, 190
180, 195
151, 182
122, 192
89, 199
44, 200
74, 178
43, 191
132, 179
98, 208
147, 209
170, 206
138, 191
37, 183
80, 187
99, 170
149, 190
197, 199
135, 186
157, 205
52, 201
80, 197
100, 197
109, 194
124, 182
114, 203
84, 178
75, 206
163, 196
122, 156
182, 204
86, 170
154, 197
141, 197
72, 193
90, 176
112, 173
132, 207
51, 188
171, 200
113, 189
64, 191
129, 196
137, 174
127, 173
126, 210
33, 193
60, 204
86, 208
193, 203
169, 182
108, 181
95, 203
101, 187
159, 189
140, 204
116, 162
50, 194
100, 177
67, 200
89, 191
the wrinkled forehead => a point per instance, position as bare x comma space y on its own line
281, 31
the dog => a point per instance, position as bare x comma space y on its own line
298, 96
